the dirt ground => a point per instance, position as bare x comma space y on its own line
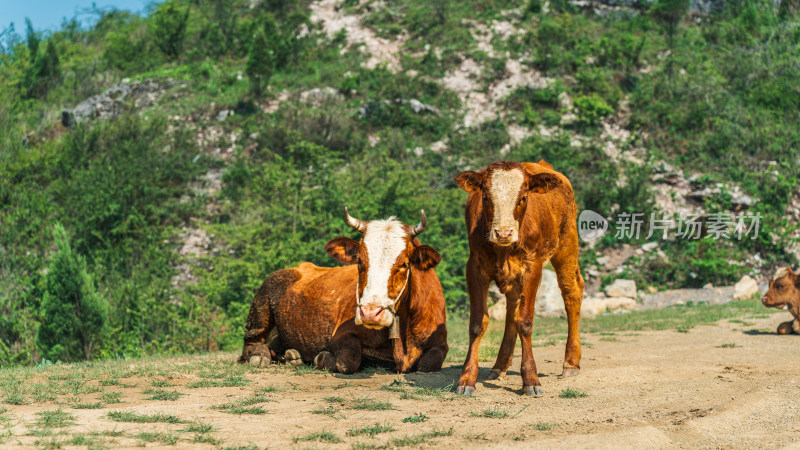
732, 384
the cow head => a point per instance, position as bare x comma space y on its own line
385, 255
504, 189
784, 291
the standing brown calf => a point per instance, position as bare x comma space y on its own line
386, 303
784, 292
519, 216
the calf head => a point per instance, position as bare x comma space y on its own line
504, 188
784, 291
386, 255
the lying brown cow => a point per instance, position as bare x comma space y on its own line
387, 303
519, 216
784, 292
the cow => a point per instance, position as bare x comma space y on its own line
519, 216
386, 303
784, 292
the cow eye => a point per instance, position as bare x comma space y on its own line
522, 200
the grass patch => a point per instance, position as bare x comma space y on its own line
226, 382
368, 404
269, 390
199, 427
54, 419
330, 411
371, 430
419, 439
306, 369
112, 397
321, 436
572, 393
408, 391
206, 439
492, 413
543, 426
132, 417
162, 394
162, 438
244, 406
730, 345
416, 418
162, 383
97, 405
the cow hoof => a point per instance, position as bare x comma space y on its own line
293, 357
533, 391
325, 361
570, 372
466, 391
260, 360
495, 375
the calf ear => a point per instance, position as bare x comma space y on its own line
342, 249
469, 181
425, 257
541, 182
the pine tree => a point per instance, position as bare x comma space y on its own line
260, 63
73, 315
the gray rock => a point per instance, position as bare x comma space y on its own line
114, 100
224, 114
745, 288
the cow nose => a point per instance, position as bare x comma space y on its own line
503, 234
371, 314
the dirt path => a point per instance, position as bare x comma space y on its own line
653, 389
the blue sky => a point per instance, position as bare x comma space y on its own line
48, 14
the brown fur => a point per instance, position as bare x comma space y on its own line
547, 215
313, 310
785, 291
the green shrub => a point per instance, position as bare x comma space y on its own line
591, 108
73, 314
168, 27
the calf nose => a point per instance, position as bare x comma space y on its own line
371, 314
503, 234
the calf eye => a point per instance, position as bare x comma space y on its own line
522, 201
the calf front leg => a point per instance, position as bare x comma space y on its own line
478, 286
524, 321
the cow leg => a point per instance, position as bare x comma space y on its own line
478, 287
506, 353
570, 281
524, 322
347, 352
432, 360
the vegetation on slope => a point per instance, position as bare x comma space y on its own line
722, 100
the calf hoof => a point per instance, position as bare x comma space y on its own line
325, 361
533, 391
570, 372
495, 374
785, 328
466, 391
292, 357
261, 360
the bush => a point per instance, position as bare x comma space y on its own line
168, 27
73, 314
260, 63
591, 108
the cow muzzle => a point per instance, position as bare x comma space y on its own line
503, 236
375, 317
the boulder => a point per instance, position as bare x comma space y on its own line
746, 287
548, 299
594, 306
621, 288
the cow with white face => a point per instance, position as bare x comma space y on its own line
385, 303
519, 216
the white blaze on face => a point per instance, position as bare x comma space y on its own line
505, 189
780, 273
384, 240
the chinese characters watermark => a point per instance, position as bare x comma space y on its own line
631, 226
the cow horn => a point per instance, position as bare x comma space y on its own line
420, 227
353, 222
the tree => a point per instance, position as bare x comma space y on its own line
168, 27
73, 315
260, 63
669, 13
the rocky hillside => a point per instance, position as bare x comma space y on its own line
191, 152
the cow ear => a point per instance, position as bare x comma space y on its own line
469, 181
425, 257
541, 182
344, 250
